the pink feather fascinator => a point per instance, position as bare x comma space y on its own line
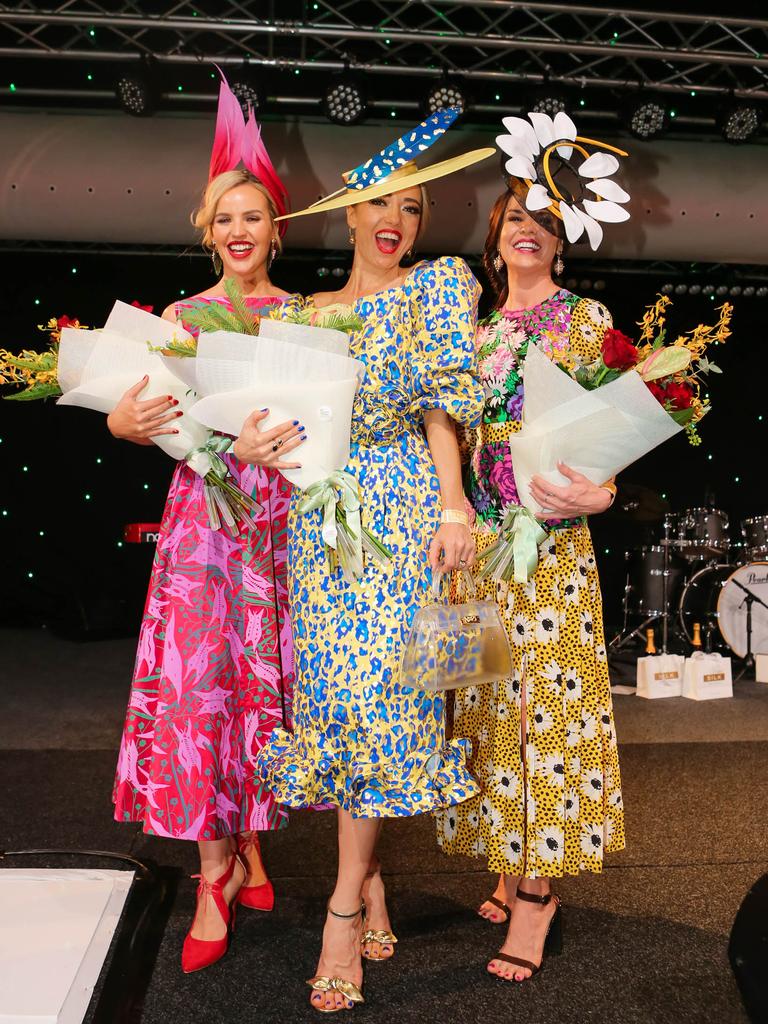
236, 140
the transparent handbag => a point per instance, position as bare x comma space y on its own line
456, 645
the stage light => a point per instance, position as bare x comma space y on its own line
694, 289
739, 121
135, 95
247, 93
708, 289
722, 289
749, 291
681, 289
344, 101
647, 118
667, 289
761, 292
548, 100
445, 93
735, 290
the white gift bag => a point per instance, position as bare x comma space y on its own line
660, 675
707, 677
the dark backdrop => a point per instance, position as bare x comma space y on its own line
68, 488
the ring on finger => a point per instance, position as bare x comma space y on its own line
275, 447
280, 442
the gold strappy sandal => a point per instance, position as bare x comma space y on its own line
383, 938
380, 935
322, 983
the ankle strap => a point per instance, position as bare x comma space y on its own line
346, 917
529, 897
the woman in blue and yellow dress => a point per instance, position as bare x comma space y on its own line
543, 742
362, 741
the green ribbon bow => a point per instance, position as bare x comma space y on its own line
515, 554
224, 500
338, 495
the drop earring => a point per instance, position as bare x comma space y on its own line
272, 253
218, 266
351, 236
498, 262
559, 266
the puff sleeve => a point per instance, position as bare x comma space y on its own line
290, 305
589, 321
444, 321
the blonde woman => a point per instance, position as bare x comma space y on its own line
214, 663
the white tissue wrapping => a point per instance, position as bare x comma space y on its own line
597, 433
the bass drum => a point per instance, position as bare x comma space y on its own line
699, 603
732, 612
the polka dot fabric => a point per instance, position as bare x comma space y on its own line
361, 740
560, 809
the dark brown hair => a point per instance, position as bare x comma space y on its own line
517, 190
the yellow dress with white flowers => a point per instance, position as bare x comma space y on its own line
558, 808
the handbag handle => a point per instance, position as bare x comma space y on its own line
464, 574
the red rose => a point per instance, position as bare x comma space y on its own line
65, 321
147, 309
679, 394
618, 351
657, 391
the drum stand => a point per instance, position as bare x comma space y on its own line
749, 600
619, 641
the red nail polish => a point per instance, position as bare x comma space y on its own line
179, 413
174, 401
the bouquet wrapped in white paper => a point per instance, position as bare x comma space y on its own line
600, 417
299, 372
96, 368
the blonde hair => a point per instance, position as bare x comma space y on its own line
203, 217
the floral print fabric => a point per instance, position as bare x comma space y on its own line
557, 809
214, 666
362, 740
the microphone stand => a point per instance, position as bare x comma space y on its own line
749, 600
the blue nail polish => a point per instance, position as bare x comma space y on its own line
295, 423
263, 410
302, 427
303, 437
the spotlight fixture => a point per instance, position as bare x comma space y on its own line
247, 93
548, 100
735, 290
708, 289
681, 289
694, 289
667, 289
761, 292
749, 291
739, 121
344, 101
135, 94
447, 92
647, 118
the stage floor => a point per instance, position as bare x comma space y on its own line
645, 942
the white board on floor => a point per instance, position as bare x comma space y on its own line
55, 931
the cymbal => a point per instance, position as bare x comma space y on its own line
638, 504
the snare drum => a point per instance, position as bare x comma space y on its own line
755, 534
645, 580
701, 533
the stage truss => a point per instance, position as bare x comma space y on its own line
483, 41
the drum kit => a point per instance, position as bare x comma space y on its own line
702, 587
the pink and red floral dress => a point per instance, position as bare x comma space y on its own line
214, 667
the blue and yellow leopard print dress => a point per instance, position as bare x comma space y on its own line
361, 740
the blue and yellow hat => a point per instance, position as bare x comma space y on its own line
395, 168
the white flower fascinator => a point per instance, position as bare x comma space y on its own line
563, 174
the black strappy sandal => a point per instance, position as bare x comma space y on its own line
553, 940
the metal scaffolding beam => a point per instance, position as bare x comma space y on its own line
482, 40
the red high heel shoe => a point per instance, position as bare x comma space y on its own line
257, 897
199, 953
